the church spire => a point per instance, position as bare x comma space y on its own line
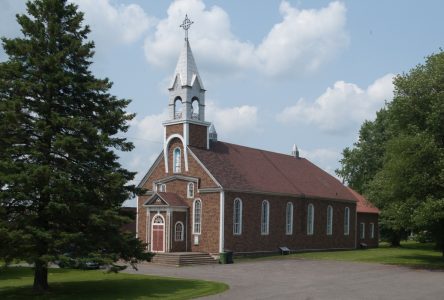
187, 93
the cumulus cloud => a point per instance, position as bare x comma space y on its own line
341, 107
326, 158
301, 42
232, 121
115, 23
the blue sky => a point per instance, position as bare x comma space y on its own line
276, 72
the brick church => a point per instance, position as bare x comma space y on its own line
205, 195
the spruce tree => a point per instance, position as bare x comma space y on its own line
61, 185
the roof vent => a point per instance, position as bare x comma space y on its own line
295, 151
212, 133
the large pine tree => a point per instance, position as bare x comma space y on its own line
61, 185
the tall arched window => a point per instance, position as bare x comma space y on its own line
177, 160
347, 221
178, 108
178, 231
197, 214
237, 216
289, 219
190, 190
195, 108
265, 217
329, 220
310, 219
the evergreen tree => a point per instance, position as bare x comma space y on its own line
61, 185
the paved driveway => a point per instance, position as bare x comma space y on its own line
306, 279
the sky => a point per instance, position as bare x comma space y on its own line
277, 73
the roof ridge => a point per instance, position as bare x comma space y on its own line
258, 149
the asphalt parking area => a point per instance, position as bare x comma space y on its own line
307, 279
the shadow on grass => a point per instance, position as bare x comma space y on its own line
108, 286
425, 262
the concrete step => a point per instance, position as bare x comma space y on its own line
183, 259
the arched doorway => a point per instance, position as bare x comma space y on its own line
158, 234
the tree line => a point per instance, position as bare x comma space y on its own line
398, 160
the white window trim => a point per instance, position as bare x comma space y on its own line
194, 216
362, 230
188, 190
347, 221
289, 221
174, 160
310, 225
240, 216
372, 230
175, 232
267, 219
163, 188
329, 220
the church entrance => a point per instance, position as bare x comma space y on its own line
158, 234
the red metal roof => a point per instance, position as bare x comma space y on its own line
363, 205
242, 168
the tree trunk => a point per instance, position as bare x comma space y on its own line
40, 276
395, 239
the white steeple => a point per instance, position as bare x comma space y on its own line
186, 70
187, 93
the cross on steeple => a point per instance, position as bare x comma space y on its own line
186, 25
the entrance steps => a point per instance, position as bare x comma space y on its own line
179, 259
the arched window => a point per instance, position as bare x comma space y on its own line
178, 231
310, 219
177, 160
289, 219
347, 221
190, 190
178, 108
329, 220
197, 214
265, 217
237, 216
195, 108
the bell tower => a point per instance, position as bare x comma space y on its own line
186, 105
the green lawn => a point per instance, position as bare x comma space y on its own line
16, 282
411, 254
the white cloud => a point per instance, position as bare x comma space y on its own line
325, 158
232, 121
303, 41
343, 106
115, 23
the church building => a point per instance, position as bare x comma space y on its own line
206, 195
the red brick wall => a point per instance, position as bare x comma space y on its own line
198, 136
178, 246
209, 239
367, 218
251, 239
172, 129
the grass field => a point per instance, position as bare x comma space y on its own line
410, 254
16, 282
